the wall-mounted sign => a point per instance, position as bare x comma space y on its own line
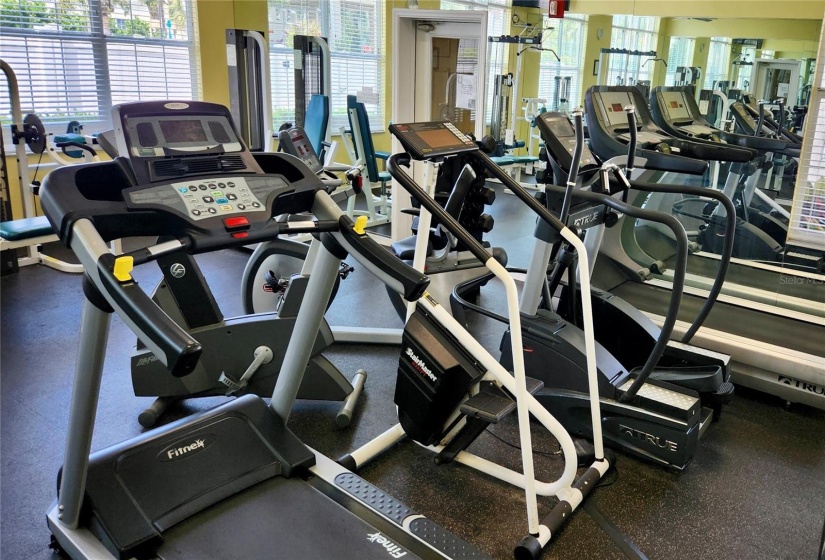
748, 42
556, 8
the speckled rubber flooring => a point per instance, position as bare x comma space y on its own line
755, 490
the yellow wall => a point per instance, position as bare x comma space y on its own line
761, 9
789, 37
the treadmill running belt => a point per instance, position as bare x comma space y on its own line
279, 518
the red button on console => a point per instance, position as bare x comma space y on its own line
240, 234
235, 222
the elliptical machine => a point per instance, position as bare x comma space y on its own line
648, 411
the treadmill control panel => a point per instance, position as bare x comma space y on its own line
205, 198
559, 135
430, 140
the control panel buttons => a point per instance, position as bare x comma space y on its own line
216, 194
256, 205
236, 222
208, 199
241, 206
192, 188
221, 185
196, 212
183, 189
226, 207
202, 187
231, 196
212, 210
230, 184
222, 200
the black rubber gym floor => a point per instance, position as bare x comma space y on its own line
755, 490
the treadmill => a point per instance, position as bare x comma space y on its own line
769, 319
762, 233
660, 152
232, 482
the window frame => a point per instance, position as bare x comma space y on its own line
325, 18
99, 40
554, 67
633, 27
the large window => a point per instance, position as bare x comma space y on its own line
718, 61
634, 34
566, 38
807, 225
679, 54
354, 29
74, 59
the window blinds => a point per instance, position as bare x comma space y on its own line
632, 33
354, 29
679, 54
807, 225
718, 61
567, 39
74, 59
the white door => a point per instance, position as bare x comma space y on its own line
439, 72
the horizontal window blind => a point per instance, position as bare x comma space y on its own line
718, 61
74, 59
354, 29
567, 38
807, 224
679, 54
632, 33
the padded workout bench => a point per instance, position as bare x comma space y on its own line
515, 165
363, 153
31, 233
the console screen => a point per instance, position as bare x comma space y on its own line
178, 132
676, 105
613, 104
440, 138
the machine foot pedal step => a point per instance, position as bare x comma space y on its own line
487, 407
492, 403
443, 540
725, 389
534, 385
374, 497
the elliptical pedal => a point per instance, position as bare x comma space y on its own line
492, 404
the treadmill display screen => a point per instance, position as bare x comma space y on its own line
154, 135
613, 104
676, 106
176, 132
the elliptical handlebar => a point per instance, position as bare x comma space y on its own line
573, 175
630, 110
761, 119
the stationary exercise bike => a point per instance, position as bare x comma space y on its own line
243, 354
